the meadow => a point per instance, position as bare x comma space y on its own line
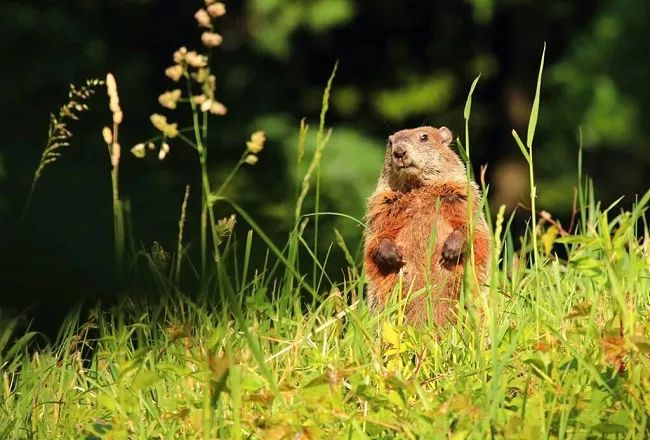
556, 345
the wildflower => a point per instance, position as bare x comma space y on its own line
167, 129
205, 105
174, 72
218, 108
107, 134
211, 39
179, 55
138, 151
200, 75
151, 145
202, 18
256, 144
164, 149
199, 99
216, 9
170, 98
251, 159
196, 60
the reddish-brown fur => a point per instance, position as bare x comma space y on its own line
429, 205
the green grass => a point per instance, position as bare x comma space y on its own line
555, 346
177, 368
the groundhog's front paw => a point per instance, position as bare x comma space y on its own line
452, 250
388, 256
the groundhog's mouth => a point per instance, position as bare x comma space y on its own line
402, 165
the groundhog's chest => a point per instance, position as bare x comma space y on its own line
423, 233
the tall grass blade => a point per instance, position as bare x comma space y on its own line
319, 141
532, 123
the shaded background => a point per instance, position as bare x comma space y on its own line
401, 64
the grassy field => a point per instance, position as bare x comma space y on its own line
558, 352
556, 346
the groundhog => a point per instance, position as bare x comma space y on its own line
417, 225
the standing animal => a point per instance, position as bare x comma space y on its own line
417, 225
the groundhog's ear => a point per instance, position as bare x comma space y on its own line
445, 135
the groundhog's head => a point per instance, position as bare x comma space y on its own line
421, 156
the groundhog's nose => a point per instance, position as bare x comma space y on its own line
399, 151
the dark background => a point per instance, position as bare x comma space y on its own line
401, 64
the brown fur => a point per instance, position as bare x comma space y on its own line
429, 196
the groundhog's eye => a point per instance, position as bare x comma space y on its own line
424, 137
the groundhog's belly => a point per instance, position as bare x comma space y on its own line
421, 244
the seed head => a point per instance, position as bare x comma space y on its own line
225, 225
111, 85
138, 151
218, 108
113, 99
179, 55
195, 60
167, 129
206, 104
164, 149
211, 39
203, 18
107, 134
118, 116
256, 144
201, 74
216, 9
170, 99
115, 154
174, 72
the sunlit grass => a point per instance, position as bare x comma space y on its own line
177, 368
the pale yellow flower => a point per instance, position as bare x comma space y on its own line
138, 151
251, 159
151, 145
169, 99
205, 105
118, 116
179, 55
216, 9
200, 75
114, 99
202, 18
211, 39
256, 144
199, 99
164, 149
160, 122
115, 154
218, 108
195, 60
107, 134
174, 72
111, 85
